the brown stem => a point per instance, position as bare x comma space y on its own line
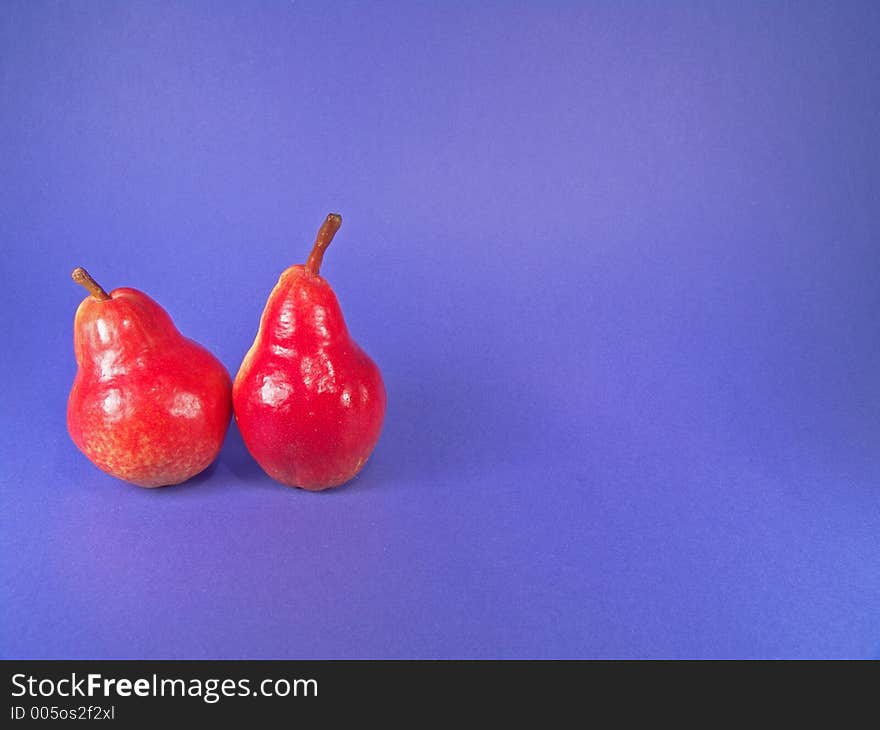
81, 276
325, 235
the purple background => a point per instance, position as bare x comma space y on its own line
618, 263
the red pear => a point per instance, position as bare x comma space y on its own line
147, 405
308, 401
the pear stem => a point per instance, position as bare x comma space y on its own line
81, 276
325, 235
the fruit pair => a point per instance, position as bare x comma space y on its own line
152, 407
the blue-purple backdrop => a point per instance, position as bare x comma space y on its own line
619, 265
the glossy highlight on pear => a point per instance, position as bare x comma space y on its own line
148, 405
309, 402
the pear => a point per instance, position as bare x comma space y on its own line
309, 402
148, 405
